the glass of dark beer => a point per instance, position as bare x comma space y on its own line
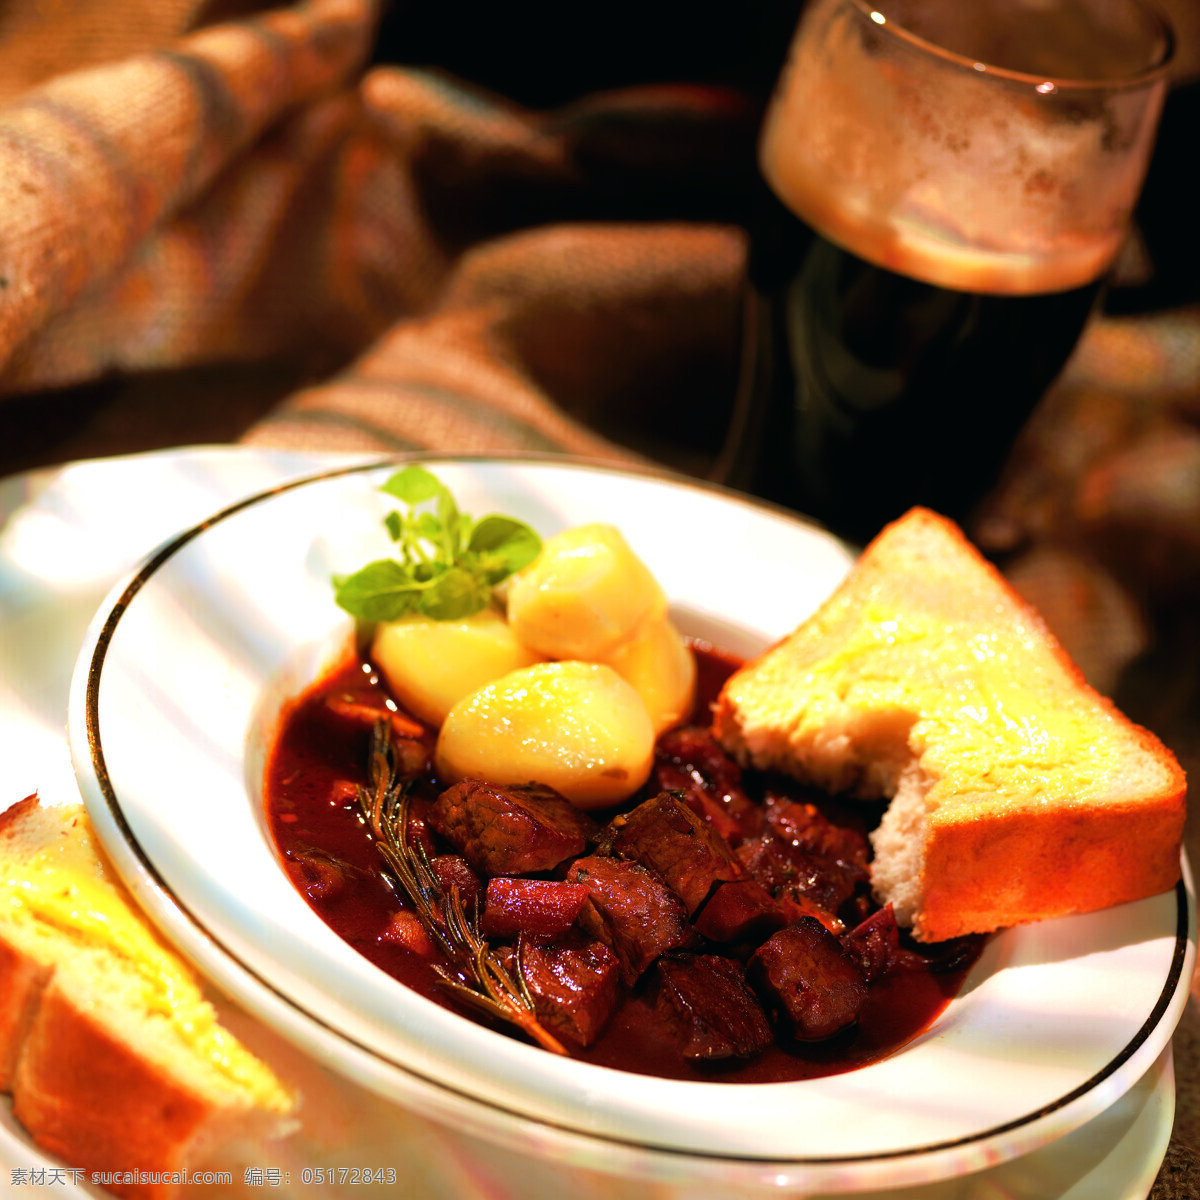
946, 185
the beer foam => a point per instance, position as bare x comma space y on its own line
947, 175
936, 251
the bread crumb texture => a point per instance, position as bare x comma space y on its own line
1018, 792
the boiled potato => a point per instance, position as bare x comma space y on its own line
431, 665
577, 727
662, 670
583, 595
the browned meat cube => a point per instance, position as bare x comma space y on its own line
740, 911
940, 958
537, 907
510, 830
343, 793
804, 825
686, 853
575, 986
695, 747
874, 943
795, 905
705, 1000
418, 828
631, 911
366, 712
689, 760
318, 874
411, 741
804, 973
404, 929
453, 871
782, 867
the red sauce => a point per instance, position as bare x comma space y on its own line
329, 853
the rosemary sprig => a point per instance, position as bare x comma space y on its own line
484, 982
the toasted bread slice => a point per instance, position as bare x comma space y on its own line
114, 1057
1017, 791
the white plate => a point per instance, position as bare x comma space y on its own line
171, 710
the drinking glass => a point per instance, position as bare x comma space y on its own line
946, 186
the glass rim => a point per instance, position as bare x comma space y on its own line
1046, 85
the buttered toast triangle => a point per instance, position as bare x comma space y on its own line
1017, 791
114, 1058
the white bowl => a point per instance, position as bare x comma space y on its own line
174, 703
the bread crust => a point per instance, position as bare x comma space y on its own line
86, 1099
981, 875
21, 983
21, 978
983, 864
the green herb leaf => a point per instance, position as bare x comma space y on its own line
447, 563
451, 522
456, 594
427, 526
504, 546
394, 523
381, 591
414, 485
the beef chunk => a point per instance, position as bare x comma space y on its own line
689, 760
704, 999
453, 871
538, 907
343, 793
805, 826
510, 830
740, 911
631, 911
688, 855
783, 868
404, 929
874, 943
939, 958
804, 973
417, 827
411, 742
795, 905
366, 711
575, 986
319, 875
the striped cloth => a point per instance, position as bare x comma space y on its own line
445, 268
